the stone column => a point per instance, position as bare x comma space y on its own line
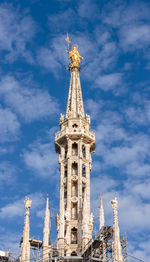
25, 246
116, 246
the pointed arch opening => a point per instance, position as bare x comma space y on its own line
83, 171
74, 239
83, 190
83, 151
74, 169
74, 149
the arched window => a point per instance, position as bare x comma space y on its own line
83, 151
74, 169
74, 149
74, 236
83, 171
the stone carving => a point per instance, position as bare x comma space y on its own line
61, 118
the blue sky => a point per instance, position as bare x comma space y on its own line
114, 39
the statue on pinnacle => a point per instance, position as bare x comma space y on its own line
74, 55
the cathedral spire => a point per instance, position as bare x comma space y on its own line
116, 248
74, 143
46, 231
75, 106
25, 246
101, 213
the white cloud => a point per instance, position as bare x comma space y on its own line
58, 21
42, 159
109, 81
17, 208
9, 126
29, 102
118, 13
131, 21
139, 112
135, 36
7, 174
16, 31
10, 240
88, 9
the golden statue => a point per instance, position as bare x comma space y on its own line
74, 55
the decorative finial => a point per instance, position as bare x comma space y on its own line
27, 203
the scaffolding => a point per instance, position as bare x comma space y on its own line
99, 249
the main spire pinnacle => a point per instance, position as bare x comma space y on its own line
75, 102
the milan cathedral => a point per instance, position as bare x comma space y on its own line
75, 142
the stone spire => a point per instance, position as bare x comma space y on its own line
75, 106
74, 143
46, 232
116, 246
101, 213
75, 102
25, 246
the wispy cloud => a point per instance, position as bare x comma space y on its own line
109, 81
7, 174
37, 158
9, 126
26, 100
16, 31
17, 208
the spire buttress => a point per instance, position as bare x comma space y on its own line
101, 213
25, 246
46, 232
116, 246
